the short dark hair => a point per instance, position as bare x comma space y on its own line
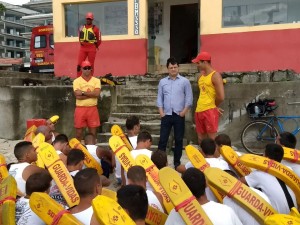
38, 182
88, 137
144, 136
274, 151
208, 146
223, 139
131, 122
74, 157
287, 139
21, 149
159, 158
136, 174
85, 181
172, 61
134, 199
61, 138
195, 180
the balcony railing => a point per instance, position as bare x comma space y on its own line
14, 34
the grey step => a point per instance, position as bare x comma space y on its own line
104, 137
137, 108
144, 83
116, 117
152, 128
139, 91
16, 81
16, 74
127, 99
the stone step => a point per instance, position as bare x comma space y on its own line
139, 91
133, 108
116, 117
183, 68
17, 81
128, 99
152, 128
104, 137
145, 83
16, 74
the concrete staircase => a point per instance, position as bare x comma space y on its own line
138, 97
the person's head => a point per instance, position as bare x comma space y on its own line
61, 143
45, 130
195, 180
38, 182
51, 122
144, 140
287, 139
86, 68
160, 159
223, 139
208, 146
133, 124
87, 183
173, 67
137, 175
25, 152
89, 18
134, 200
89, 139
274, 152
203, 60
75, 159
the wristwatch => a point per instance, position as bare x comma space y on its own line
82, 93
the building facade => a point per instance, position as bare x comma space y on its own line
139, 35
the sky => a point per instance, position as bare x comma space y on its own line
15, 2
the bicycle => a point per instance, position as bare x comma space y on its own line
265, 129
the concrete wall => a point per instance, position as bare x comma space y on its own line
18, 104
237, 95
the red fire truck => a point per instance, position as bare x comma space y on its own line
42, 50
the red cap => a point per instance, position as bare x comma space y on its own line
202, 56
89, 15
85, 63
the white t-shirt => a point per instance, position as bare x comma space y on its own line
245, 217
269, 185
16, 171
153, 201
24, 214
93, 151
85, 216
133, 141
294, 166
218, 214
213, 162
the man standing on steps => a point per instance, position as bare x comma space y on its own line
87, 91
211, 96
175, 98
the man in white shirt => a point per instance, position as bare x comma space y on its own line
88, 186
287, 139
218, 214
269, 184
62, 147
133, 129
38, 182
137, 175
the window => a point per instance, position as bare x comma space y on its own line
110, 17
259, 12
40, 41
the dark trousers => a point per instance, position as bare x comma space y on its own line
177, 122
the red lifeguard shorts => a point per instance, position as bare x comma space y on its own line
207, 121
86, 117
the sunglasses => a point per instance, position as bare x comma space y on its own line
87, 68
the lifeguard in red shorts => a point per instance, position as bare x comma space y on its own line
90, 40
87, 91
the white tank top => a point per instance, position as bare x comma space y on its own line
153, 201
16, 170
92, 149
85, 216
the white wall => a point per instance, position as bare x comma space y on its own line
163, 40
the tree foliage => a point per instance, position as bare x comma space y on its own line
2, 7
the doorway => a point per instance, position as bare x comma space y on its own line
184, 35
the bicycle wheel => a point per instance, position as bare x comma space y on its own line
256, 135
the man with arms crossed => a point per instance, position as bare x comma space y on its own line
211, 96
